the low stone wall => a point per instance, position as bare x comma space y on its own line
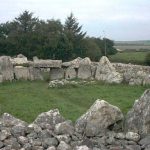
100, 128
20, 68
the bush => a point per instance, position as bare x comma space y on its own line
147, 59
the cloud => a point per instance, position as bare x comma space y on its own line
96, 15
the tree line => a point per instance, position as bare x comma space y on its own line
50, 39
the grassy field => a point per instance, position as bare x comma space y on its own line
26, 100
129, 57
133, 47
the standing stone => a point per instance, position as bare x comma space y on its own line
35, 74
6, 68
106, 72
21, 73
138, 118
98, 118
56, 73
84, 70
1, 78
70, 73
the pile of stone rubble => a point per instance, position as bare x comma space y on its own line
102, 127
63, 82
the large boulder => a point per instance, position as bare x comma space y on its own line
57, 73
98, 118
84, 70
106, 72
138, 118
6, 68
21, 72
70, 73
35, 74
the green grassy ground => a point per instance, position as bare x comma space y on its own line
129, 57
26, 100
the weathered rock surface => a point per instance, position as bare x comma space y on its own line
39, 63
57, 73
51, 132
74, 63
106, 72
98, 118
63, 82
35, 74
21, 73
84, 70
6, 69
64, 128
138, 118
70, 73
133, 74
51, 117
20, 60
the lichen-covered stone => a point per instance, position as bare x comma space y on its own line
138, 118
98, 118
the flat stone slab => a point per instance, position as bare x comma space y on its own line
47, 63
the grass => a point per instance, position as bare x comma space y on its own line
26, 100
129, 57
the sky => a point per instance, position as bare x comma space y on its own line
120, 20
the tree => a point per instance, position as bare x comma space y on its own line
26, 22
106, 46
74, 34
91, 49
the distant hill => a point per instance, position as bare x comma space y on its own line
142, 45
142, 42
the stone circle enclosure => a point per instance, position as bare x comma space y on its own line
20, 68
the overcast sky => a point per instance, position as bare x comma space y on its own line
116, 19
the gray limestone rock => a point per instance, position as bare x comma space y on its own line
138, 118
106, 72
98, 118
57, 73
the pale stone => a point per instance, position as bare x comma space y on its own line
98, 118
6, 68
84, 71
57, 73
47, 63
21, 73
138, 118
106, 72
70, 73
